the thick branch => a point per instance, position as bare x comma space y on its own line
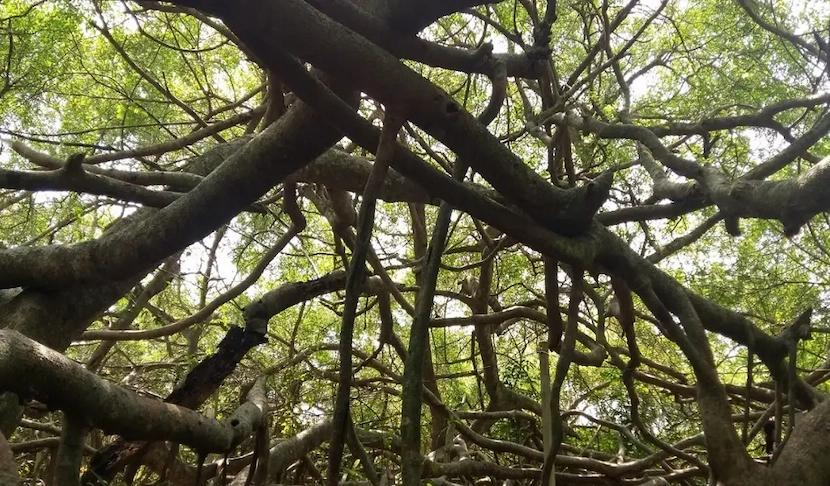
31, 369
356, 60
793, 202
281, 149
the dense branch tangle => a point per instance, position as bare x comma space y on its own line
411, 309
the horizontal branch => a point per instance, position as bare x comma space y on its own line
82, 182
33, 370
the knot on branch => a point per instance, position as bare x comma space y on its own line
74, 164
541, 36
598, 190
484, 51
256, 317
291, 207
577, 215
538, 53
344, 213
800, 330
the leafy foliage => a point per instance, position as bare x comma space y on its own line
106, 78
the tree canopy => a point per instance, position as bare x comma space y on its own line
444, 242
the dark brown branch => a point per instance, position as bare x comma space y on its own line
401, 89
354, 280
